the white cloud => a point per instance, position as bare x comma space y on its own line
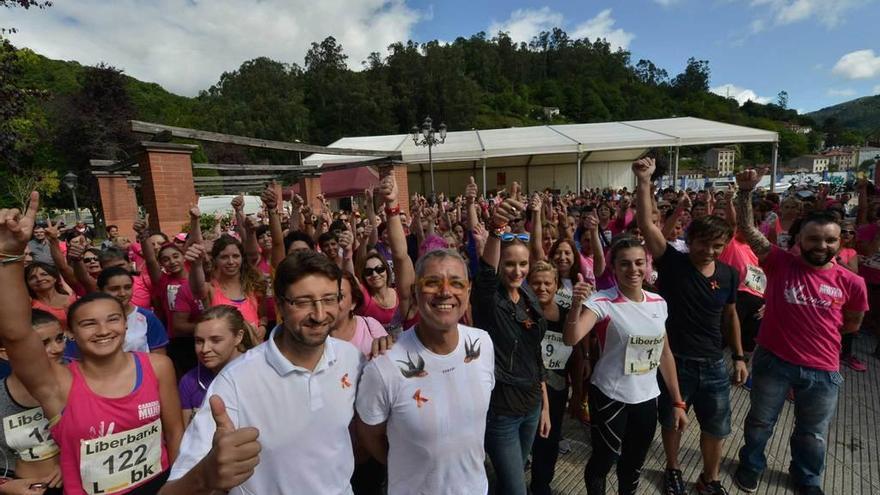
877, 89
830, 13
602, 27
667, 3
741, 95
524, 24
846, 92
186, 44
860, 64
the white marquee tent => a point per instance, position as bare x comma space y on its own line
564, 157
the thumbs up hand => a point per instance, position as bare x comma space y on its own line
580, 292
470, 191
234, 453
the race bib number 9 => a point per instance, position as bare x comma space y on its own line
27, 433
115, 462
555, 352
642, 354
755, 279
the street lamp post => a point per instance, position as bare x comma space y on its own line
70, 181
427, 136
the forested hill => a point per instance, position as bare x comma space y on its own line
861, 113
476, 82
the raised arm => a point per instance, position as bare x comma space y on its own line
271, 201
24, 347
53, 237
536, 245
143, 236
654, 240
503, 214
404, 272
195, 256
238, 208
592, 225
579, 321
747, 180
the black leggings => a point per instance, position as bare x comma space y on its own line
545, 451
747, 306
846, 344
621, 433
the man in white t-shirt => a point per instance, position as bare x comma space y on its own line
296, 391
429, 394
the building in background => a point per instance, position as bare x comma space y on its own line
815, 164
840, 158
720, 161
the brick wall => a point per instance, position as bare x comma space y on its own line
119, 203
167, 184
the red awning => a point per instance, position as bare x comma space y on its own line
342, 183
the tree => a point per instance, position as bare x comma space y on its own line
694, 80
782, 100
17, 186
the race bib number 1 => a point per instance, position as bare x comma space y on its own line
642, 354
27, 433
115, 462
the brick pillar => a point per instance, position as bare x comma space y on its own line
167, 184
310, 188
119, 202
402, 178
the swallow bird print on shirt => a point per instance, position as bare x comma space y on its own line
471, 350
413, 369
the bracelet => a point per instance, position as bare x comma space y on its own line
680, 405
738, 357
393, 211
8, 260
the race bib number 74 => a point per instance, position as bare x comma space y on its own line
115, 462
642, 354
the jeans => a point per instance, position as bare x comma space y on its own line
508, 443
545, 451
815, 401
704, 385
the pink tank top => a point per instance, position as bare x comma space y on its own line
372, 309
111, 445
60, 313
247, 307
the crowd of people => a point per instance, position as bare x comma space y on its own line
311, 351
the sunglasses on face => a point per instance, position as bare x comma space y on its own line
90, 259
848, 232
508, 236
378, 270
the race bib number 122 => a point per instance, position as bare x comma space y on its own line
115, 462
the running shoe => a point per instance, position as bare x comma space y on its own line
710, 487
745, 480
564, 446
854, 363
748, 383
674, 484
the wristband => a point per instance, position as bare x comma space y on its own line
738, 357
392, 211
680, 405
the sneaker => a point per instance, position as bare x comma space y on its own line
710, 488
745, 480
854, 363
674, 484
564, 446
809, 490
748, 383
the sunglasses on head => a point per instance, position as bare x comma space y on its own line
508, 236
378, 270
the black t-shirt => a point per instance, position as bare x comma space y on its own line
695, 303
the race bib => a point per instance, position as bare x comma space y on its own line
115, 462
555, 352
27, 433
642, 354
871, 261
755, 279
171, 293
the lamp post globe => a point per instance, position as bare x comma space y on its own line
70, 180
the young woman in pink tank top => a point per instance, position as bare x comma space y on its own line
115, 415
234, 281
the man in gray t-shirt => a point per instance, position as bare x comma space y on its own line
39, 245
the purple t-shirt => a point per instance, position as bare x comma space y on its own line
193, 386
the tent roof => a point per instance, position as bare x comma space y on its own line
462, 146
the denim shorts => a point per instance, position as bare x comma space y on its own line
705, 386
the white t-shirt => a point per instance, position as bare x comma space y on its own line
631, 335
144, 332
436, 415
303, 417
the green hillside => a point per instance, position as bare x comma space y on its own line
862, 114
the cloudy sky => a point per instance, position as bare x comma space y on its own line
821, 52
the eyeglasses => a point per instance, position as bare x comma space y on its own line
378, 270
507, 237
435, 285
90, 259
312, 304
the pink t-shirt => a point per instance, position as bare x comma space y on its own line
166, 291
248, 307
187, 303
93, 427
372, 309
141, 289
846, 254
741, 257
367, 330
869, 266
60, 313
805, 308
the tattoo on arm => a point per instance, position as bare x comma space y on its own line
745, 222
